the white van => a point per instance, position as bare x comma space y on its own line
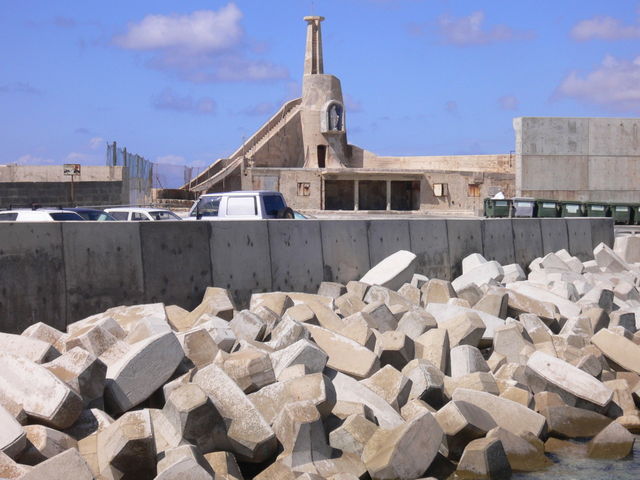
241, 205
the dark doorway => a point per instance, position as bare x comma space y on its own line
372, 195
338, 195
405, 195
322, 154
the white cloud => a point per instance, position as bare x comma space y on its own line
200, 31
19, 87
171, 160
96, 142
29, 159
471, 31
508, 102
169, 100
604, 28
614, 84
203, 46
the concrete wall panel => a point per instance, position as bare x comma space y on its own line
176, 262
580, 241
614, 136
387, 237
554, 235
527, 240
554, 172
32, 283
555, 136
240, 257
296, 255
602, 231
103, 266
345, 250
613, 173
497, 240
430, 243
464, 238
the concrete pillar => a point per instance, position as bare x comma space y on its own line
356, 195
388, 194
313, 63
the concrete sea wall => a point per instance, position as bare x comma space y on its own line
61, 272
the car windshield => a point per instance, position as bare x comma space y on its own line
272, 204
119, 215
159, 215
207, 207
65, 216
95, 215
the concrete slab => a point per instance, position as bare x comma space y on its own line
32, 263
345, 249
527, 239
580, 241
103, 266
246, 241
464, 238
387, 236
602, 231
393, 271
497, 240
430, 243
554, 235
296, 255
174, 270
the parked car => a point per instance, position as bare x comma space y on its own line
141, 214
38, 215
241, 205
93, 214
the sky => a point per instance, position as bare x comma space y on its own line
184, 82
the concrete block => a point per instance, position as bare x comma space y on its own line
513, 273
249, 368
523, 455
427, 382
44, 443
405, 451
566, 307
480, 275
246, 325
353, 434
11, 470
484, 458
569, 379
580, 242
464, 238
554, 235
142, 370
348, 304
345, 355
613, 442
466, 328
607, 259
494, 302
571, 422
497, 240
393, 271
43, 396
510, 341
302, 352
13, 439
332, 289
184, 462
461, 423
32, 349
240, 239
479, 381
620, 350
225, 465
627, 247
467, 359
345, 252
415, 322
387, 237
437, 291
251, 437
507, 414
277, 302
378, 316
66, 465
391, 385
433, 345
430, 243
289, 243
48, 334
198, 345
181, 277
89, 422
395, 349
220, 331
411, 293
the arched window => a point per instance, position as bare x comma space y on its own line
332, 120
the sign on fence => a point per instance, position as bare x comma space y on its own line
71, 169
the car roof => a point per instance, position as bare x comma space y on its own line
136, 209
83, 209
242, 192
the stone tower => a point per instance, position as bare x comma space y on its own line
324, 132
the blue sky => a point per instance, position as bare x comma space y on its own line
184, 82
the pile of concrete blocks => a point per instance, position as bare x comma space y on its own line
398, 377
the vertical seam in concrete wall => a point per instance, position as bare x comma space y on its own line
446, 236
371, 264
269, 254
144, 282
64, 275
209, 233
324, 263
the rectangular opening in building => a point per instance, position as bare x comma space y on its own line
440, 189
405, 195
322, 154
338, 195
372, 195
474, 190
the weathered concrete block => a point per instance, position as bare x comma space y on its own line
249, 368
433, 345
523, 456
393, 271
251, 437
608, 260
82, 371
345, 355
513, 273
95, 337
618, 349
437, 291
64, 466
411, 293
128, 446
466, 359
332, 289
391, 385
30, 348
507, 414
571, 422
177, 318
13, 439
246, 325
380, 317
445, 313
44, 443
277, 302
353, 434
11, 470
198, 345
394, 348
303, 352
461, 423
89, 422
480, 381
405, 451
220, 331
613, 442
44, 397
480, 275
46, 333
510, 341
466, 328
495, 302
348, 304
144, 369
286, 333
627, 247
569, 379
415, 322
184, 462
225, 465
356, 327
484, 458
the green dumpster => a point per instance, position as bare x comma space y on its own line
597, 209
572, 209
622, 213
635, 213
497, 207
547, 208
